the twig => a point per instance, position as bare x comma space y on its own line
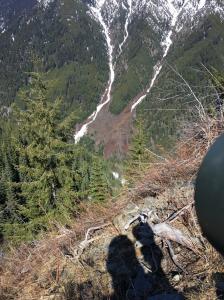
156, 155
81, 247
174, 215
94, 229
172, 256
201, 109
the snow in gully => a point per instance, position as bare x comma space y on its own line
175, 11
97, 12
167, 43
127, 22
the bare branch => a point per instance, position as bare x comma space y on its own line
201, 108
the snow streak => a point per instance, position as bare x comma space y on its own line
167, 43
201, 4
127, 22
97, 12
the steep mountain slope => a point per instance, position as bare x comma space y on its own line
153, 32
111, 53
13, 9
168, 20
61, 40
171, 102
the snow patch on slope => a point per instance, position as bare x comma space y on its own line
2, 26
201, 4
44, 2
97, 13
178, 12
103, 15
127, 22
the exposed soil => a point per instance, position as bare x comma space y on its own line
113, 131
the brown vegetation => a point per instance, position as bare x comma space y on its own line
46, 269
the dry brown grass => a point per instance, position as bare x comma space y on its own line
182, 163
36, 270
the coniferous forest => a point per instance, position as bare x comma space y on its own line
44, 174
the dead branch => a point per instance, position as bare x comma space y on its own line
176, 214
200, 107
167, 232
173, 256
156, 155
94, 229
81, 247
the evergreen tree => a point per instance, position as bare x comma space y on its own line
83, 165
137, 155
43, 174
99, 188
9, 177
45, 158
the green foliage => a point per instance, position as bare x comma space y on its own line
217, 79
80, 85
135, 65
170, 104
137, 155
82, 164
203, 45
9, 176
71, 53
43, 174
46, 180
99, 187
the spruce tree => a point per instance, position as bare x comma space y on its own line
137, 155
218, 82
99, 188
45, 158
82, 165
9, 177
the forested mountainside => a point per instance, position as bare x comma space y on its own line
61, 40
12, 9
80, 45
193, 56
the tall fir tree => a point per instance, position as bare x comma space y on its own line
137, 155
9, 178
218, 82
82, 165
99, 187
46, 152
43, 174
